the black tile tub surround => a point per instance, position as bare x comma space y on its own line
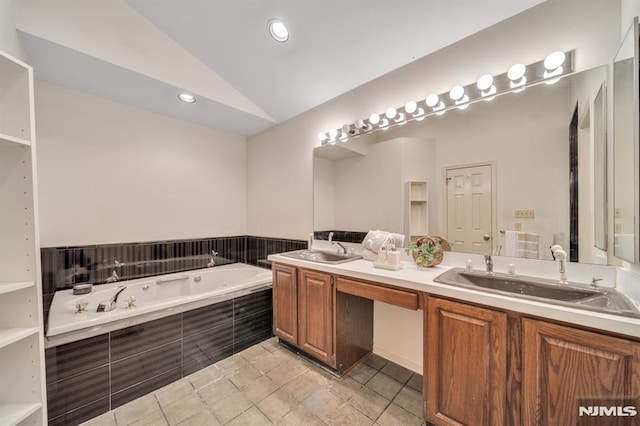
62, 267
91, 376
344, 236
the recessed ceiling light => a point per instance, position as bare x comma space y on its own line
185, 97
278, 31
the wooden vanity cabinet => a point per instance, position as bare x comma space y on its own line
465, 377
566, 367
309, 313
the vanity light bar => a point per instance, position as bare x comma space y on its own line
555, 66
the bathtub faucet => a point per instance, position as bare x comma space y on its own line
110, 305
113, 278
212, 262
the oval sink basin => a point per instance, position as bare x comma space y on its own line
600, 299
321, 256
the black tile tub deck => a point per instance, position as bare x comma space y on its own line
89, 377
267, 384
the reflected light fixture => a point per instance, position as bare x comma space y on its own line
411, 107
486, 87
517, 77
278, 31
186, 97
553, 66
393, 114
433, 101
459, 97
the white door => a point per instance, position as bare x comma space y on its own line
469, 208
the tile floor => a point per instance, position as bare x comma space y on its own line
268, 384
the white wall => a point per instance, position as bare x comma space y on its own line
281, 160
9, 41
108, 172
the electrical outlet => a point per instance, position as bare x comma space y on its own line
517, 226
617, 213
524, 214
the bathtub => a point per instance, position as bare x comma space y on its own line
155, 297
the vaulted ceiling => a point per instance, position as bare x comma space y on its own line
145, 52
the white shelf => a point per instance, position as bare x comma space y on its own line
8, 140
8, 287
13, 335
12, 414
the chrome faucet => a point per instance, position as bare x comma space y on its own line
110, 305
212, 261
342, 246
113, 278
489, 262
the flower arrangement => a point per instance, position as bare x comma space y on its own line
428, 251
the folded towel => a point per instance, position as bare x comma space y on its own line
377, 240
522, 244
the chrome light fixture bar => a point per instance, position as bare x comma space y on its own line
519, 76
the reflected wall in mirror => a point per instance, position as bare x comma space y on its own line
524, 137
625, 148
600, 204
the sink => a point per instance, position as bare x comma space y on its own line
321, 256
599, 299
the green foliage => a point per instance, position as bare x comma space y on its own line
426, 252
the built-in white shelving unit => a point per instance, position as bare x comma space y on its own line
416, 222
23, 391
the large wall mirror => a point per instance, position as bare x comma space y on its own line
504, 167
625, 148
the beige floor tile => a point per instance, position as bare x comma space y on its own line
136, 410
301, 387
201, 418
230, 407
276, 405
173, 391
397, 372
156, 418
272, 344
369, 402
232, 363
415, 382
217, 391
375, 361
300, 416
384, 385
245, 376
410, 400
395, 415
251, 417
319, 375
260, 389
253, 352
345, 387
106, 419
206, 376
323, 403
183, 408
362, 373
267, 362
283, 374
347, 415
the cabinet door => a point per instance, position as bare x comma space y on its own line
565, 368
465, 368
315, 315
285, 303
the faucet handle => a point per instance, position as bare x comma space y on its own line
214, 253
594, 282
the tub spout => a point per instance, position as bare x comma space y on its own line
110, 305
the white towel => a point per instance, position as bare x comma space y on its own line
522, 244
376, 240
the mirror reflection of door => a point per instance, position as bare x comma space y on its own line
469, 208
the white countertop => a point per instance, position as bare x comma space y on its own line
412, 277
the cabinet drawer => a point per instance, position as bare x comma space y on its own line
402, 298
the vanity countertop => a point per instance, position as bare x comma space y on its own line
421, 279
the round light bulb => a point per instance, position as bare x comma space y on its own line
554, 60
516, 72
456, 93
322, 136
278, 31
411, 107
391, 113
374, 118
432, 100
485, 82
333, 133
346, 128
359, 124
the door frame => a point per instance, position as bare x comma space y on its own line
493, 164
